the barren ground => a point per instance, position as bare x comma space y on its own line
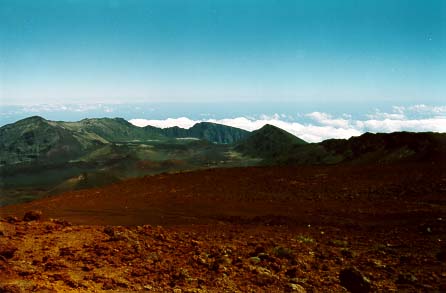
268, 229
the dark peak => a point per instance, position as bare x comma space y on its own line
269, 142
276, 133
35, 118
30, 120
122, 121
269, 127
173, 127
206, 125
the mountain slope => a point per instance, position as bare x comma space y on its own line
35, 138
40, 157
111, 130
389, 147
269, 142
276, 146
371, 148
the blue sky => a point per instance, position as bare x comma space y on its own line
376, 53
318, 69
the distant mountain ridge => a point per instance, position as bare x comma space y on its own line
39, 157
276, 146
389, 147
368, 148
36, 138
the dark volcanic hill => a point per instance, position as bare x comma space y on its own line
269, 142
276, 146
371, 148
389, 147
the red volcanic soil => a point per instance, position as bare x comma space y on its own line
269, 229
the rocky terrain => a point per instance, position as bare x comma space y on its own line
263, 229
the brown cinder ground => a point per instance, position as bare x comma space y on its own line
269, 229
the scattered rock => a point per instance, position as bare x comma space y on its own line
63, 223
441, 255
406, 278
254, 260
87, 268
425, 229
66, 251
10, 288
54, 265
298, 280
110, 231
12, 219
32, 216
264, 276
282, 252
291, 273
338, 243
259, 249
347, 253
295, 288
225, 260
64, 277
109, 284
114, 234
263, 256
7, 251
354, 281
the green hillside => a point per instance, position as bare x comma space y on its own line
110, 130
36, 139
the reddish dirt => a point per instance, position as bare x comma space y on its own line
269, 229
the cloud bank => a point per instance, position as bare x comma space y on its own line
322, 126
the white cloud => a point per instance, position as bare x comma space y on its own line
326, 119
380, 115
410, 113
428, 110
